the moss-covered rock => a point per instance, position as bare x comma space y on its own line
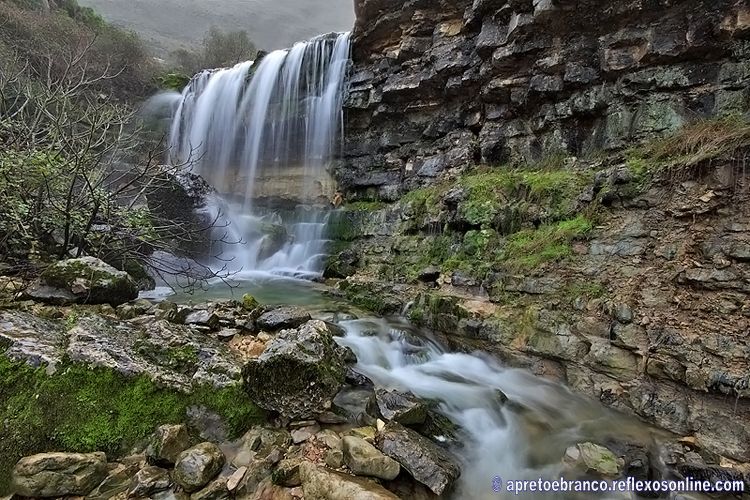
84, 410
299, 373
87, 280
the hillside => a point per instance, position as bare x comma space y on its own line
167, 25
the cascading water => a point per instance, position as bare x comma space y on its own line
262, 134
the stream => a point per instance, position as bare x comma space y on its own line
523, 438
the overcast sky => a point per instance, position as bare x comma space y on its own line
171, 24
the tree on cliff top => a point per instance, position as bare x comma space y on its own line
220, 49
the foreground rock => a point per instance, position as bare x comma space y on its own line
319, 483
427, 462
87, 280
283, 317
365, 460
58, 474
299, 373
197, 466
400, 407
588, 458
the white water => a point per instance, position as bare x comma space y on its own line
237, 123
524, 438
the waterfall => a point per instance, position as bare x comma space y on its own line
263, 133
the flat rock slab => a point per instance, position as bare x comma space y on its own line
427, 462
58, 474
283, 317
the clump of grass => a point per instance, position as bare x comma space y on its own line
693, 147
532, 247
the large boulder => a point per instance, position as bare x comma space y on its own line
197, 466
364, 459
427, 462
299, 373
58, 474
87, 280
319, 483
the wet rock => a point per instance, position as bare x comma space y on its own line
593, 458
283, 317
365, 460
117, 481
334, 458
148, 481
317, 362
198, 465
341, 265
215, 490
623, 313
319, 483
302, 434
286, 472
87, 280
260, 442
428, 463
58, 474
400, 407
203, 318
357, 404
166, 444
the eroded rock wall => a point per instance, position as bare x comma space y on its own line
441, 85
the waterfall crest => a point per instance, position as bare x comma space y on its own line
262, 133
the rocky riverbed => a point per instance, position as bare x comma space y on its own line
235, 399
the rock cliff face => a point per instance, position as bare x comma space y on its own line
440, 85
507, 199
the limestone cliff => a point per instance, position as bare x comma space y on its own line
496, 148
440, 85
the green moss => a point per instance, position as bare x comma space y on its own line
365, 206
83, 409
586, 289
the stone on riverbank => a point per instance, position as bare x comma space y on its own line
365, 460
427, 462
319, 483
87, 280
58, 474
283, 317
166, 444
299, 373
197, 466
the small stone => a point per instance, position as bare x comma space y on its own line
334, 458
329, 438
365, 460
319, 484
305, 433
215, 490
367, 433
197, 466
148, 481
379, 425
590, 457
287, 473
234, 480
400, 407
166, 444
623, 313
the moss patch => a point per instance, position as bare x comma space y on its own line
82, 409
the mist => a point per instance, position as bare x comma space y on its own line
167, 25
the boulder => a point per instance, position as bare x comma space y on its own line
299, 373
87, 280
287, 472
365, 460
427, 462
203, 317
118, 481
401, 407
166, 444
197, 466
58, 474
215, 490
148, 481
282, 317
319, 483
